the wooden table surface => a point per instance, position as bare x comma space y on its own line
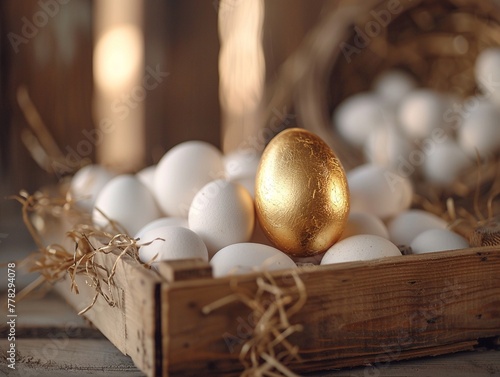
52, 340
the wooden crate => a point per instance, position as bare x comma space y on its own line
356, 313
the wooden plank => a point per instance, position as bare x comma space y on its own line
185, 269
355, 313
60, 357
43, 316
463, 364
55, 369
133, 325
109, 320
68, 359
37, 357
47, 311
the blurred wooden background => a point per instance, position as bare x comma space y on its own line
54, 62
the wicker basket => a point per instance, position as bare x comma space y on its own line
435, 41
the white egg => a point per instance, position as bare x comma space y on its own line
444, 164
364, 223
182, 172
242, 258
437, 240
147, 176
172, 243
393, 85
487, 73
222, 213
161, 222
387, 146
242, 163
421, 112
362, 247
87, 183
480, 130
127, 201
379, 191
357, 115
409, 224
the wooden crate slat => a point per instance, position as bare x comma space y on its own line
415, 305
133, 326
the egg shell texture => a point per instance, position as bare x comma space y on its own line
437, 240
161, 222
409, 224
182, 172
357, 115
87, 183
248, 257
222, 213
379, 191
126, 200
172, 243
364, 223
360, 248
422, 111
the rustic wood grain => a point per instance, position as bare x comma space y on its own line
45, 316
100, 358
185, 269
55, 65
133, 325
463, 364
48, 317
356, 313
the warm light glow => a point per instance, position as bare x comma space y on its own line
119, 70
117, 57
242, 78
241, 69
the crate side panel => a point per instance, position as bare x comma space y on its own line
109, 320
132, 323
355, 313
142, 316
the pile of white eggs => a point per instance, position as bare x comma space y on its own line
198, 203
415, 130
381, 220
408, 132
195, 203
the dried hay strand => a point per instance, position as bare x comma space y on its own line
55, 261
470, 204
268, 350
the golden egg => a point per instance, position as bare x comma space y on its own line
301, 193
